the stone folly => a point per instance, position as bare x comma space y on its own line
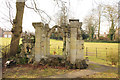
73, 45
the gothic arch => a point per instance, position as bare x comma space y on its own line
53, 30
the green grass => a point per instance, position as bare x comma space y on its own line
102, 52
57, 46
6, 41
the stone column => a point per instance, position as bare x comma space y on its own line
48, 46
80, 50
47, 40
80, 44
38, 36
43, 44
64, 45
74, 24
68, 46
73, 41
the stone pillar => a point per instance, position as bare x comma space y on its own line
73, 41
64, 45
80, 50
38, 35
48, 46
80, 44
43, 44
74, 24
68, 46
47, 40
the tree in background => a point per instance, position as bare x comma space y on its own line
91, 24
62, 15
111, 14
99, 14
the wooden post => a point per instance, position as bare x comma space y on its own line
86, 51
96, 52
106, 54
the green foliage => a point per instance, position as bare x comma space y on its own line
102, 41
53, 36
84, 35
23, 60
111, 32
19, 48
19, 60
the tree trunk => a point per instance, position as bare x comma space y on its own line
99, 15
17, 28
111, 32
99, 27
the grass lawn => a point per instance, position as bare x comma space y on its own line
6, 41
102, 52
57, 46
24, 71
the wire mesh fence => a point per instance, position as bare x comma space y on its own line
99, 53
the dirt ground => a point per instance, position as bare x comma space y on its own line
94, 70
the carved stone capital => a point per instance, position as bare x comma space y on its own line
39, 24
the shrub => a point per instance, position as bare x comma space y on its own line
19, 60
19, 48
113, 57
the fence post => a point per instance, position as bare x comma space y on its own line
96, 52
106, 54
86, 51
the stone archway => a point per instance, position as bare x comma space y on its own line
53, 30
74, 45
58, 31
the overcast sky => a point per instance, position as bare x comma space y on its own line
78, 9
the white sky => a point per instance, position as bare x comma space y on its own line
79, 9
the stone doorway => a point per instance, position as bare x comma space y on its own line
56, 42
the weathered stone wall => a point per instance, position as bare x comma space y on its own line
76, 42
72, 41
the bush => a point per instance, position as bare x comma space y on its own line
19, 60
113, 58
19, 48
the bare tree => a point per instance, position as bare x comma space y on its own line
98, 13
111, 14
8, 16
91, 24
99, 18
62, 15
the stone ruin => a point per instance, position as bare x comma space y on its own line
73, 45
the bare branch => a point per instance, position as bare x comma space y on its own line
39, 11
9, 7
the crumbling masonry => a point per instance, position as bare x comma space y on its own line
74, 45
